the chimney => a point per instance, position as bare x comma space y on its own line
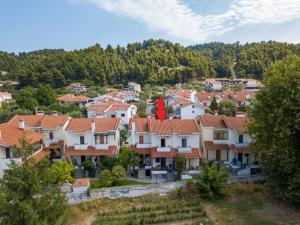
93, 126
132, 134
21, 124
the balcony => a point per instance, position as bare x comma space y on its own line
101, 146
221, 141
48, 142
184, 149
146, 145
163, 149
241, 145
80, 146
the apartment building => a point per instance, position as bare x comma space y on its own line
118, 110
9, 139
225, 139
91, 139
50, 126
158, 143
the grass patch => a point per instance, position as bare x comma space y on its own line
95, 184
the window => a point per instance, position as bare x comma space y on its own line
122, 114
241, 138
113, 116
82, 140
183, 142
157, 160
220, 135
7, 153
163, 142
51, 135
192, 111
101, 139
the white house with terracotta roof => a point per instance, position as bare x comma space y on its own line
134, 86
76, 87
158, 143
9, 138
219, 83
51, 126
91, 138
81, 101
225, 139
117, 97
119, 110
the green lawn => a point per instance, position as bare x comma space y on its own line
96, 183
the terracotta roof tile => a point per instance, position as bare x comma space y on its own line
215, 121
45, 121
103, 125
157, 154
195, 153
90, 151
184, 127
81, 182
10, 135
209, 145
237, 123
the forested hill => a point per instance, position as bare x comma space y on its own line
153, 61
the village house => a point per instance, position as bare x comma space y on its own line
225, 139
81, 101
185, 109
50, 126
158, 143
134, 86
76, 87
220, 83
10, 138
118, 97
119, 110
5, 97
91, 139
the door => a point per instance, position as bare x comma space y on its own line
218, 155
162, 142
163, 162
240, 158
82, 158
101, 139
141, 139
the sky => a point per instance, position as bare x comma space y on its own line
27, 25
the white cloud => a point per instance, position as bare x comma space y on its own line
177, 19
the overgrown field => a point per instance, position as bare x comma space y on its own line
246, 205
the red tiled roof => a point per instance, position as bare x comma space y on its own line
207, 96
74, 98
99, 108
209, 145
240, 149
141, 151
240, 95
118, 107
166, 127
10, 135
215, 121
103, 125
41, 154
90, 151
81, 182
237, 123
45, 121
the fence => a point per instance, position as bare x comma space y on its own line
246, 179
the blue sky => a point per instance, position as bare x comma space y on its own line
28, 25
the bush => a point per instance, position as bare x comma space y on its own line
90, 167
118, 174
212, 181
106, 178
107, 163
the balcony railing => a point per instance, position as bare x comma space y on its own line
101, 146
221, 141
145, 145
48, 142
241, 145
184, 149
80, 146
163, 149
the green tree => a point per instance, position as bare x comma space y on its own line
227, 108
118, 173
179, 165
212, 181
25, 98
275, 126
123, 134
45, 95
106, 178
90, 167
29, 195
108, 162
213, 105
61, 171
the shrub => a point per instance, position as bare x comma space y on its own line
106, 178
212, 181
90, 167
118, 174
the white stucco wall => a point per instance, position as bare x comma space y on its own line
191, 111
